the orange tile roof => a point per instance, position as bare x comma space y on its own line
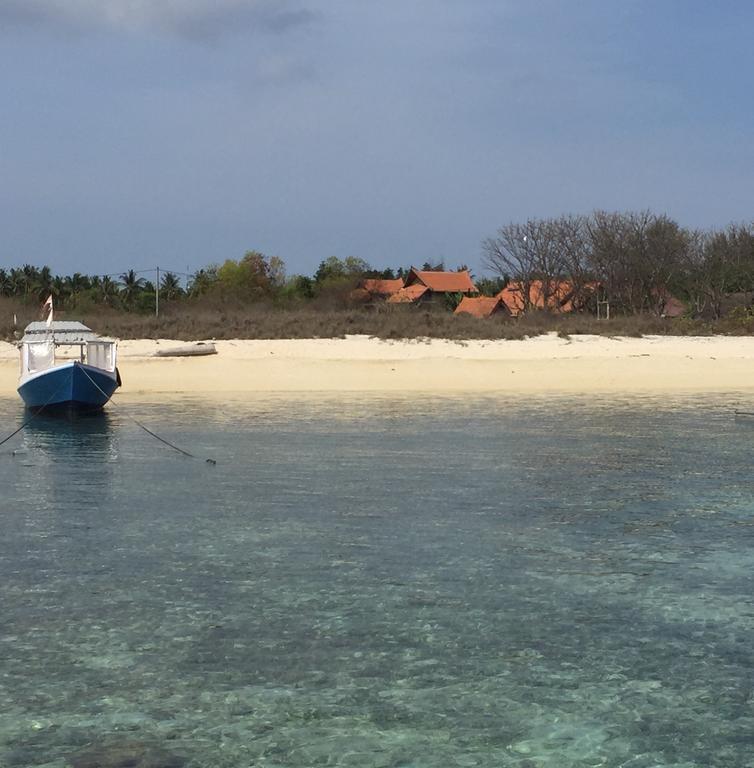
673, 307
512, 298
559, 299
479, 306
408, 294
382, 287
442, 282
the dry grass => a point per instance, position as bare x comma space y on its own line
208, 320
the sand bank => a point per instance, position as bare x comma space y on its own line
581, 364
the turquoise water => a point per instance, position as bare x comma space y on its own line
365, 582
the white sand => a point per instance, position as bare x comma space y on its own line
581, 364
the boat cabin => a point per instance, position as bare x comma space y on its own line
43, 346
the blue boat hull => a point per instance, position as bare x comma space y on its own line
72, 387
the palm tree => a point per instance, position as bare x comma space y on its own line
203, 281
131, 287
6, 287
31, 278
17, 282
59, 290
170, 287
42, 285
108, 290
75, 284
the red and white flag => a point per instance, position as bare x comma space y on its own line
48, 305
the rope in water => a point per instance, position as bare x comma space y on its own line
39, 410
33, 416
148, 431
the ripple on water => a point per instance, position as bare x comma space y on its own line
379, 582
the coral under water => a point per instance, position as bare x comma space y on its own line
528, 583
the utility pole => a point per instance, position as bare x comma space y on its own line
157, 295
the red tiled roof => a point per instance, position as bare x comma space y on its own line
555, 296
670, 305
673, 307
479, 306
382, 287
442, 282
408, 294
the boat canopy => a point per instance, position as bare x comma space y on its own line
59, 332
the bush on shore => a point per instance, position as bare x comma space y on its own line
212, 319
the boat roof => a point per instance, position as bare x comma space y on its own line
61, 331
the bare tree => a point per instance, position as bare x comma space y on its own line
696, 275
638, 257
720, 263
528, 255
575, 248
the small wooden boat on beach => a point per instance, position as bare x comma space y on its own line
197, 349
65, 365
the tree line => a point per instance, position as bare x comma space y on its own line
253, 277
633, 260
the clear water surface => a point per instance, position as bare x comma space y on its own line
533, 582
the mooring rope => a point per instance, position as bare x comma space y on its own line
33, 416
148, 431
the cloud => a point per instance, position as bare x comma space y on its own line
194, 19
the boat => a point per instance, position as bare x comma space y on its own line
199, 349
65, 365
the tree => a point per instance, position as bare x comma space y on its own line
637, 257
59, 290
170, 287
203, 281
334, 269
490, 286
107, 291
75, 284
717, 264
251, 277
524, 253
298, 287
42, 284
131, 287
276, 272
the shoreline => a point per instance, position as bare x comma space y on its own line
543, 364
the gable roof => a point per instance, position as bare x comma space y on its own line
442, 282
673, 307
479, 306
408, 294
555, 296
381, 287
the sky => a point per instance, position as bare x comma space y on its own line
178, 133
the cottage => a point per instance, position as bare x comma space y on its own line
425, 284
481, 306
380, 288
553, 296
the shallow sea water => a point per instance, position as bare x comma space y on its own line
539, 582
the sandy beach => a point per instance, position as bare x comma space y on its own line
580, 364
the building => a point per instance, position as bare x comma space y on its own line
553, 296
425, 285
380, 288
481, 306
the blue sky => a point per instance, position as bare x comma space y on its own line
183, 132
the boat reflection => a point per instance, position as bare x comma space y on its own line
81, 441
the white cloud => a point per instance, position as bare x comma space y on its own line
188, 18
